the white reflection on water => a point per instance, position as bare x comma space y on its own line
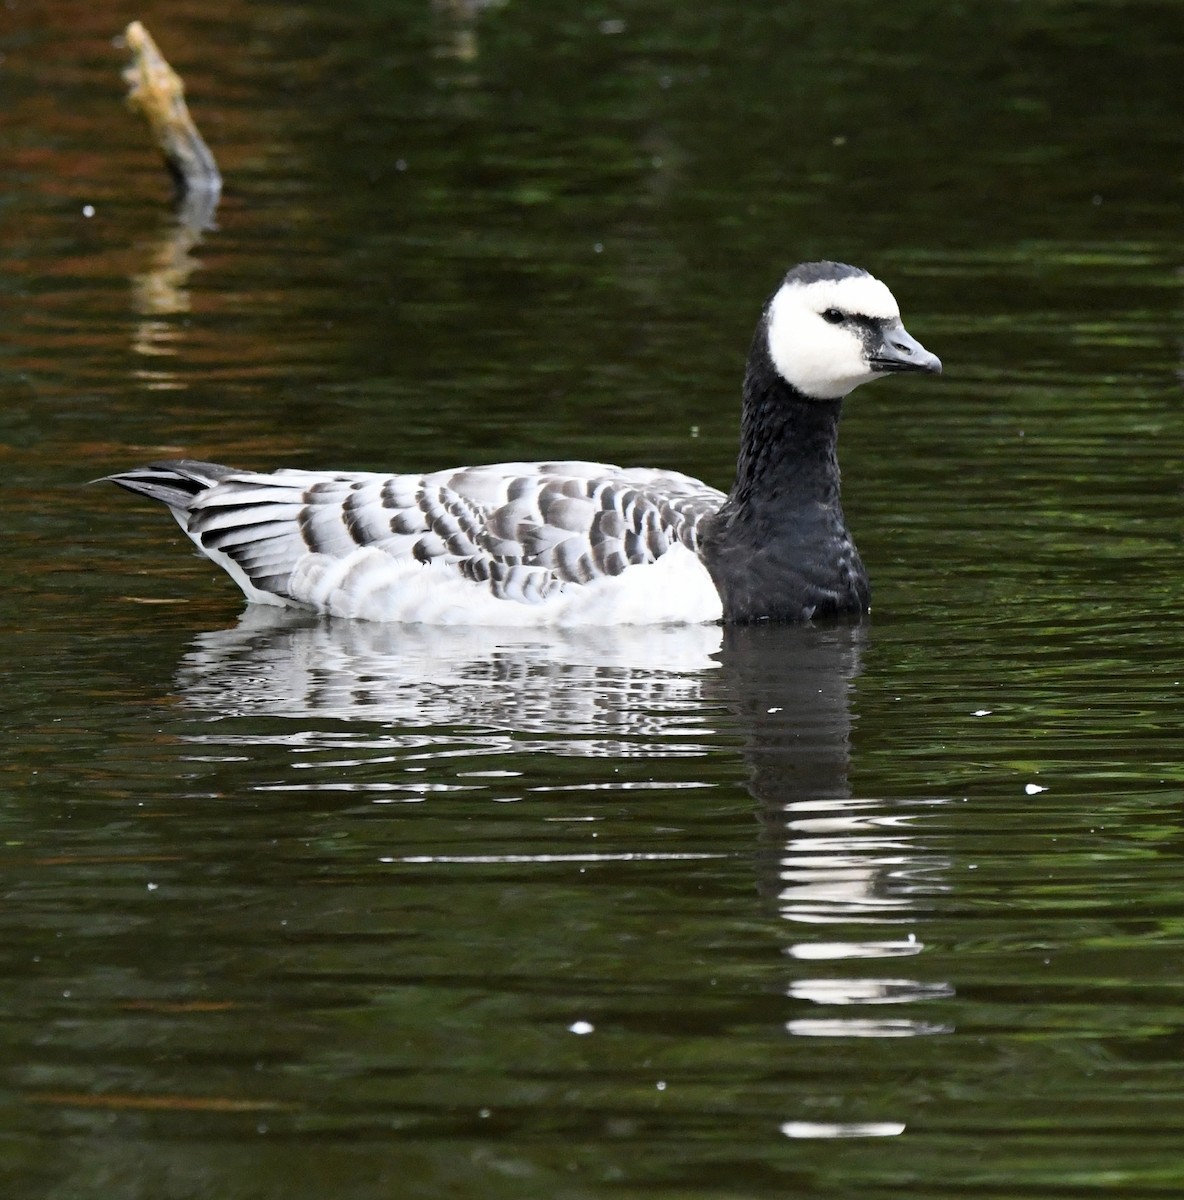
820, 951
868, 991
860, 864
847, 1129
546, 858
854, 1027
853, 862
621, 692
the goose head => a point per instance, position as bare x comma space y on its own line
830, 327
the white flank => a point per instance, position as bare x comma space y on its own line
373, 586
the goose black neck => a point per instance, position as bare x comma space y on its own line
779, 548
788, 448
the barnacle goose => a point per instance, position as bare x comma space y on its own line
580, 543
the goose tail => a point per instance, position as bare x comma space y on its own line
174, 483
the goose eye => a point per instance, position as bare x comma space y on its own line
834, 315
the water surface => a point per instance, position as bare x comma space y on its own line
297, 908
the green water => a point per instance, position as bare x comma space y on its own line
296, 909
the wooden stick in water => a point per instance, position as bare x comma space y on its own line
156, 90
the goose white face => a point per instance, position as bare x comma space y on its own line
828, 336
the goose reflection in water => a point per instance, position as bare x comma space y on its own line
832, 860
593, 692
850, 875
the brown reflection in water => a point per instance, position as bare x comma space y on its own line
457, 36
121, 1101
162, 290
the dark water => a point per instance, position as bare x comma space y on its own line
891, 910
